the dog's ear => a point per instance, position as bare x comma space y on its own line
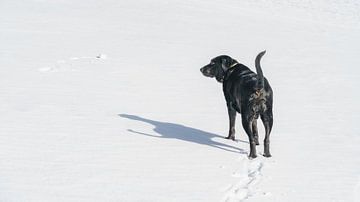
226, 63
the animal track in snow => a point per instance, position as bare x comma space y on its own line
70, 64
249, 174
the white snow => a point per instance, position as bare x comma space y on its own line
104, 100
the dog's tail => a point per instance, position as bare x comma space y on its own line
260, 80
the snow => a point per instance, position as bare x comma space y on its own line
104, 100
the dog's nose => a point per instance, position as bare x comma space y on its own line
202, 70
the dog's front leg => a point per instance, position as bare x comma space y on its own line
232, 118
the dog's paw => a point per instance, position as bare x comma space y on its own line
230, 138
252, 156
267, 155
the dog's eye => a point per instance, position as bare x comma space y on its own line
212, 63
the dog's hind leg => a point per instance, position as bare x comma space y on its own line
255, 131
247, 125
267, 120
232, 118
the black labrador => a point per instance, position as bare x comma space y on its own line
247, 93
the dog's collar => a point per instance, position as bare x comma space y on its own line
233, 65
230, 70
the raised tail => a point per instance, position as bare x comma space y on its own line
260, 82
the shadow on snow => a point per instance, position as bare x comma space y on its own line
184, 133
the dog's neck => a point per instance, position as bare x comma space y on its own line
230, 70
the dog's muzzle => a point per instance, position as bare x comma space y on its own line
206, 72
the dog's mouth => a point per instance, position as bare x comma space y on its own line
208, 75
220, 80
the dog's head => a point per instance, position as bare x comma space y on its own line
217, 67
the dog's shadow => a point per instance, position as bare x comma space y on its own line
184, 133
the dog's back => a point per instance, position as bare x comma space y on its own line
246, 91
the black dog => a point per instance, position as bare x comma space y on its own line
247, 93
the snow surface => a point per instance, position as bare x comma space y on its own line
104, 100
